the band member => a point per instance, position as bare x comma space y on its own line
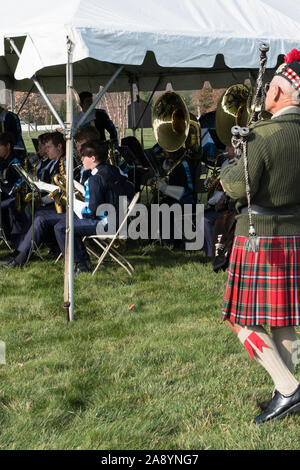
216, 204
40, 160
97, 117
181, 175
10, 122
10, 182
263, 287
47, 215
101, 187
81, 137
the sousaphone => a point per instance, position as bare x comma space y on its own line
234, 109
170, 121
171, 125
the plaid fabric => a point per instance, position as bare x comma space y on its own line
264, 287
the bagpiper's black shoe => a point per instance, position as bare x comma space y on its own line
264, 405
280, 406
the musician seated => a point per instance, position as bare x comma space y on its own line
181, 175
101, 188
10, 187
47, 214
85, 134
134, 162
39, 160
97, 118
10, 122
214, 209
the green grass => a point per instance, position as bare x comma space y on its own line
149, 140
166, 374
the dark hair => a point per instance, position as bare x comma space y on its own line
85, 94
89, 133
95, 148
56, 138
44, 137
7, 138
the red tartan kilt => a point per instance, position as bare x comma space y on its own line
264, 287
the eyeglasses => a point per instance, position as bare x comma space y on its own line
267, 87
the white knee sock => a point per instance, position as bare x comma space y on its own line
260, 346
285, 339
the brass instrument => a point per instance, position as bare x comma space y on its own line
34, 168
59, 195
234, 109
20, 192
213, 183
171, 125
60, 180
193, 142
170, 121
37, 196
111, 157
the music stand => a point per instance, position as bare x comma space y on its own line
31, 184
2, 233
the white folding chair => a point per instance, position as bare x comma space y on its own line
107, 248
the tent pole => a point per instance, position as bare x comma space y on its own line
133, 115
148, 103
39, 87
99, 96
25, 100
12, 100
69, 257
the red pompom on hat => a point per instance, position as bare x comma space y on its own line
293, 55
291, 68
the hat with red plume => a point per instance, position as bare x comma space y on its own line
290, 69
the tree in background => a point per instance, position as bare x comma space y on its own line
35, 110
115, 104
208, 98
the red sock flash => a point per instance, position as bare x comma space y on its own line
256, 341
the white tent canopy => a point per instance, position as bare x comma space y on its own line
182, 41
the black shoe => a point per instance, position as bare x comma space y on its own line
13, 263
264, 405
280, 406
52, 253
82, 268
9, 256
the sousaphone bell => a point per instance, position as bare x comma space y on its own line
234, 109
170, 121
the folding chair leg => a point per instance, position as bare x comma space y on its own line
58, 258
118, 261
122, 258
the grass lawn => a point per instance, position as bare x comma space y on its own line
146, 364
162, 374
149, 140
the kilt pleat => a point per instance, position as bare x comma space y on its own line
264, 287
